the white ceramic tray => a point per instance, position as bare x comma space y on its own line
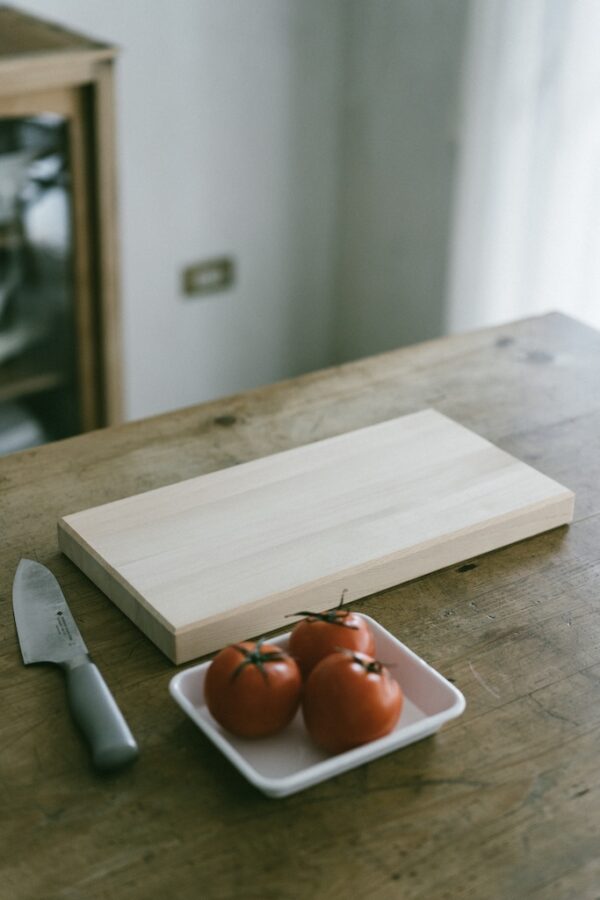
289, 761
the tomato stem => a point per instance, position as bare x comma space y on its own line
369, 665
256, 657
335, 616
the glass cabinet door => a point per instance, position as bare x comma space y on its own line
38, 394
46, 323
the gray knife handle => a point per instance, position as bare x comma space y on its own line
97, 714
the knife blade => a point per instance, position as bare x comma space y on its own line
48, 633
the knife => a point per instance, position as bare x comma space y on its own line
48, 633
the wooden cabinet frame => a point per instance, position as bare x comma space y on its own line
48, 69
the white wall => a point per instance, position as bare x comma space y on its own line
402, 81
228, 143
314, 140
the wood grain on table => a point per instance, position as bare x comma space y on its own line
503, 803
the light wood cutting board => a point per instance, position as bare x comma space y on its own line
226, 556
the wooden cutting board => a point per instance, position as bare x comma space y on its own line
227, 556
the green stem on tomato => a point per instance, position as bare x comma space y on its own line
335, 616
257, 658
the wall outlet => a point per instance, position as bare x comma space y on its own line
209, 276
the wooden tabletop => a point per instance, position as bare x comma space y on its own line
503, 803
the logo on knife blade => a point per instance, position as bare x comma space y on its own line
62, 627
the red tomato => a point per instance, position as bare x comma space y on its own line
350, 699
253, 689
323, 633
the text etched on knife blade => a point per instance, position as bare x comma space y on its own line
62, 627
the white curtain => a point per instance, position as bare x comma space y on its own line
526, 229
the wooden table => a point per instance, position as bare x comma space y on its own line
503, 803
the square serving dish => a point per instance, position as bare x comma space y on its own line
289, 762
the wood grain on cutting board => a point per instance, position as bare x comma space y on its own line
228, 555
